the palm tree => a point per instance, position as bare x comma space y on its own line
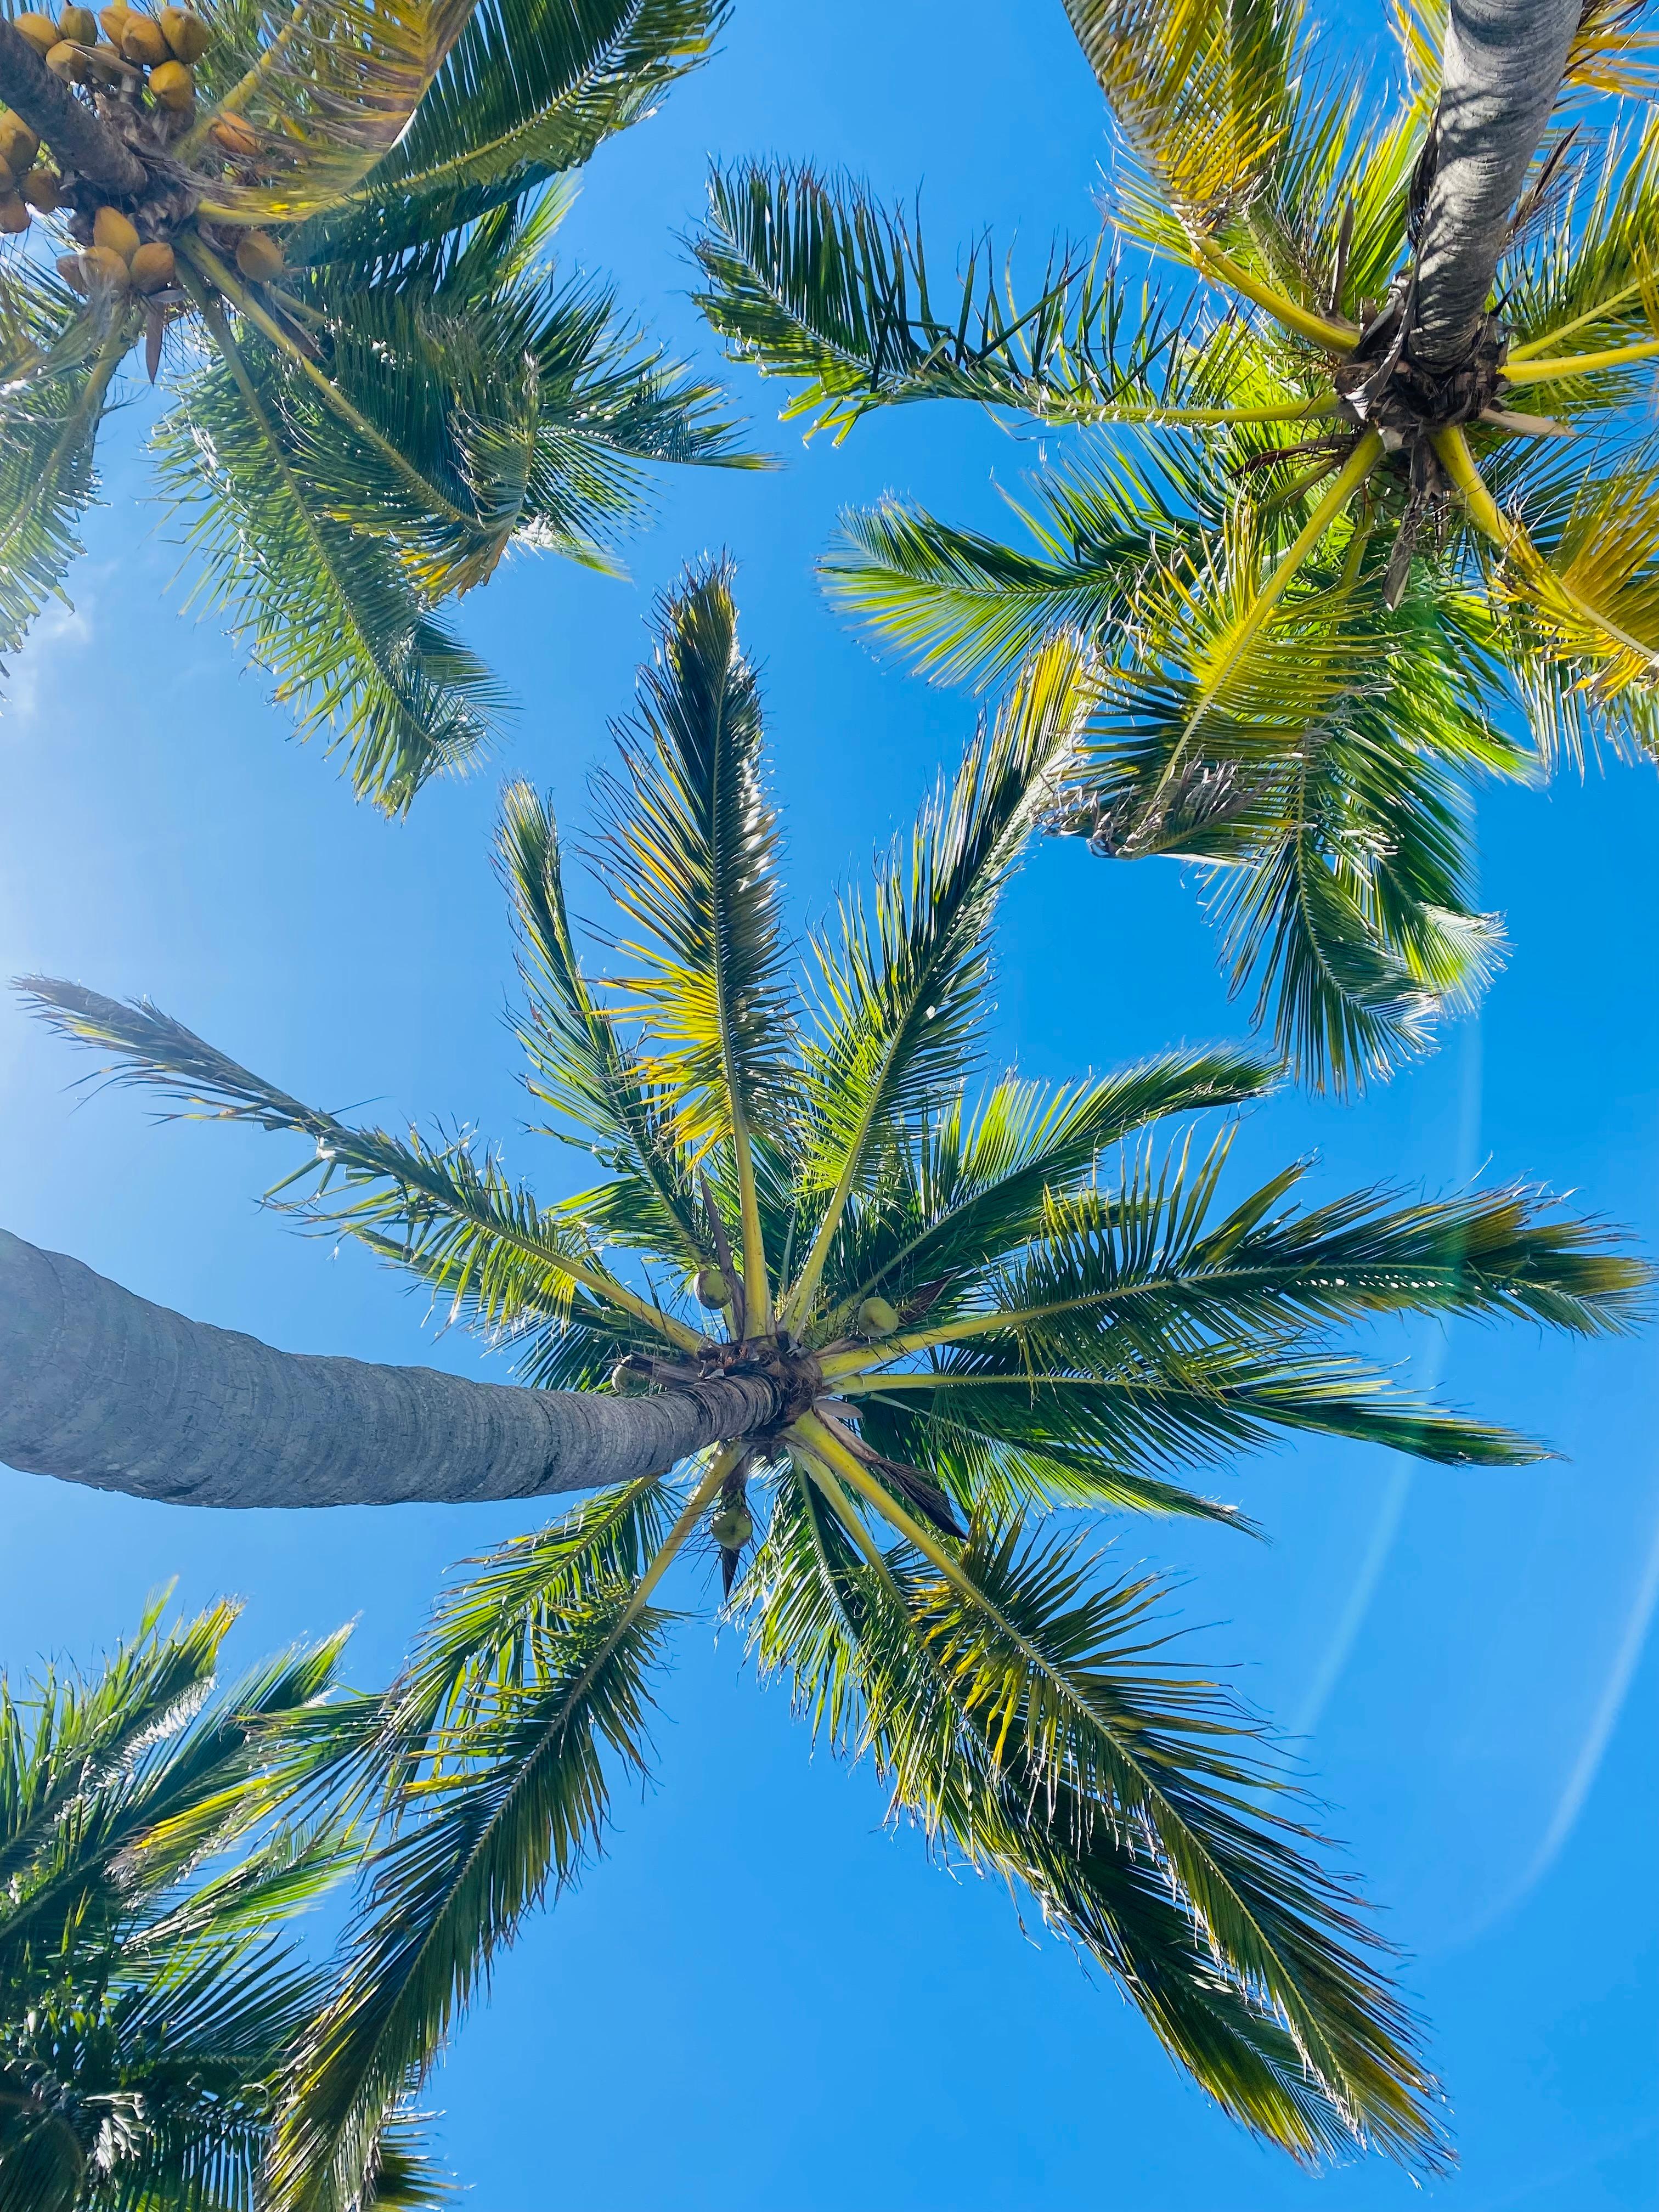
907, 1312
334, 243
1324, 561
148, 2006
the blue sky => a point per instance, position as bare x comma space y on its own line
760, 1997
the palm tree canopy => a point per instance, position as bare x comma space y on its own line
978, 1299
334, 245
151, 1852
1323, 566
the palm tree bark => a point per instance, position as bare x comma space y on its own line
77, 138
100, 1387
1504, 61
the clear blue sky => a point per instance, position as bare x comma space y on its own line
760, 1999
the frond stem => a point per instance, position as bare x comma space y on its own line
1566, 365
1596, 314
210, 265
1336, 338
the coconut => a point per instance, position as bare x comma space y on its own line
153, 267
113, 18
186, 34
67, 61
79, 24
110, 228
171, 84
233, 135
40, 31
18, 143
42, 189
711, 1288
877, 1318
13, 216
259, 255
101, 265
732, 1528
142, 39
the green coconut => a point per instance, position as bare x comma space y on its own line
732, 1528
877, 1318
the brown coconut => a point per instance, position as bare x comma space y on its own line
13, 216
153, 268
142, 39
186, 34
173, 85
42, 189
40, 31
259, 255
113, 230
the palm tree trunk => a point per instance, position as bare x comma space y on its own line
1504, 61
78, 140
102, 1387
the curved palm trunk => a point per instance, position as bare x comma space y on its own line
1504, 61
76, 135
102, 1387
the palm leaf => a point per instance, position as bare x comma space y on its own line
691, 845
1201, 92
51, 405
813, 280
512, 1797
902, 989
326, 88
334, 618
529, 89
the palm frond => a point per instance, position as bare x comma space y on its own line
459, 1221
812, 279
691, 847
62, 362
1201, 90
510, 1799
580, 1066
902, 988
529, 89
333, 617
1036, 1726
324, 88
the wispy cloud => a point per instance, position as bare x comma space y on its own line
60, 628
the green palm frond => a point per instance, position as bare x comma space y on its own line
1201, 91
812, 279
351, 642
976, 1183
511, 1798
901, 986
326, 89
580, 1063
51, 408
692, 850
960, 603
1028, 1717
529, 89
485, 406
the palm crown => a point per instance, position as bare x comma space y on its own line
336, 246
151, 1852
974, 1311
1321, 575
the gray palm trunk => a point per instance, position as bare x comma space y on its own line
1504, 61
102, 1387
79, 142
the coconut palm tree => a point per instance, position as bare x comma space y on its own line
148, 2005
1325, 560
329, 226
906, 1313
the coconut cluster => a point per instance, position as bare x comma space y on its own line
137, 70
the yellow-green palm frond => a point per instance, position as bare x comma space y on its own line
1581, 589
692, 846
325, 89
1201, 90
1588, 277
1611, 55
